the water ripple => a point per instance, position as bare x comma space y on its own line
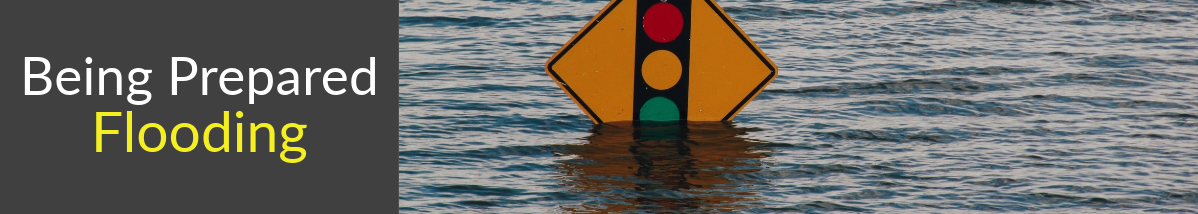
923, 106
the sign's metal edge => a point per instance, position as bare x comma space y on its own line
756, 50
557, 56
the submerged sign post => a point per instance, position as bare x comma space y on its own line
655, 60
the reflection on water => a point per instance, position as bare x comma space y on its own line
664, 168
914, 106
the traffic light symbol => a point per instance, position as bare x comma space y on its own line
662, 61
641, 60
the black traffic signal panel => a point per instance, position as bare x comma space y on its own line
662, 61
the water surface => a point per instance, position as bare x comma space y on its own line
879, 106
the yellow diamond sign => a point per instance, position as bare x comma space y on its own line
661, 61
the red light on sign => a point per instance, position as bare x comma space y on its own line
663, 22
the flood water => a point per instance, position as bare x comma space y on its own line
913, 106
